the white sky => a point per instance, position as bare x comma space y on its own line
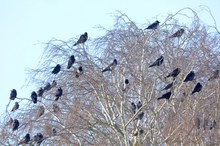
26, 23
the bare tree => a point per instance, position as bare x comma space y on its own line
121, 106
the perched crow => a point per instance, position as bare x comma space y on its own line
40, 92
174, 73
133, 107
126, 81
15, 107
197, 88
111, 66
139, 105
38, 138
165, 96
25, 140
126, 86
189, 77
215, 75
59, 93
140, 116
54, 83
168, 86
141, 131
56, 108
198, 123
153, 25
71, 61
83, 38
79, 72
15, 125
56, 69
34, 97
47, 87
158, 62
13, 94
178, 34
40, 111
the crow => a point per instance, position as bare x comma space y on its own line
34, 97
111, 66
178, 34
133, 107
59, 93
165, 96
56, 69
158, 62
83, 38
174, 73
71, 61
15, 125
79, 72
40, 111
15, 107
141, 131
25, 140
153, 25
189, 77
140, 116
139, 105
215, 75
40, 92
38, 138
168, 86
13, 94
125, 85
126, 81
197, 88
47, 87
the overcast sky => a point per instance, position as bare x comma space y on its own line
24, 24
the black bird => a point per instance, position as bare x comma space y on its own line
189, 77
198, 123
168, 86
54, 131
158, 62
47, 87
126, 81
40, 92
140, 116
79, 72
25, 140
197, 88
125, 85
139, 105
15, 107
15, 125
153, 25
83, 38
141, 131
59, 93
38, 138
56, 69
111, 66
13, 94
215, 75
174, 73
40, 111
133, 107
165, 96
178, 34
34, 97
71, 61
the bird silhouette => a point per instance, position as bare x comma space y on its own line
168, 86
158, 62
141, 131
153, 25
174, 73
178, 34
38, 138
140, 116
25, 139
15, 125
139, 105
40, 92
215, 75
165, 96
126, 86
40, 111
13, 94
133, 107
34, 97
79, 72
71, 61
15, 107
82, 39
47, 87
56, 69
197, 88
59, 93
189, 77
126, 81
111, 66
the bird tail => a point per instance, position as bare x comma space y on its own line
160, 98
75, 44
106, 69
151, 65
